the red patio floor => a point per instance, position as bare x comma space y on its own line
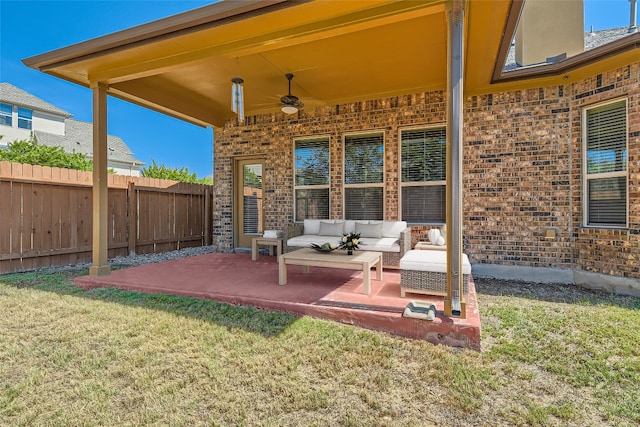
326, 293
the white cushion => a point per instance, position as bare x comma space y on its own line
369, 230
311, 226
349, 225
393, 228
331, 228
383, 244
306, 240
435, 261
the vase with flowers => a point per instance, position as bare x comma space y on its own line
350, 242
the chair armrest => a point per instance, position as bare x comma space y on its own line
405, 241
291, 230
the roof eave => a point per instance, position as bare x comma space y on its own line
561, 68
194, 20
584, 59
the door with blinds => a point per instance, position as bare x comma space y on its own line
249, 212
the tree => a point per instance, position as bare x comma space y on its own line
29, 152
174, 174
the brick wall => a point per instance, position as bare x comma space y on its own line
522, 169
613, 252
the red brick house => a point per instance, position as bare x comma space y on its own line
550, 171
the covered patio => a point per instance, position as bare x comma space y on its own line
339, 52
331, 294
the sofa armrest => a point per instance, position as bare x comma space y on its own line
291, 230
405, 241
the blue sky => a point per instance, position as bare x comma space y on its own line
28, 28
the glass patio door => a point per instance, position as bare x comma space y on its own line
249, 214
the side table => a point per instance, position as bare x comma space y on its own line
265, 241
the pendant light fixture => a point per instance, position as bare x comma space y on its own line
237, 97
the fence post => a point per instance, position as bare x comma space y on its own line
132, 219
207, 215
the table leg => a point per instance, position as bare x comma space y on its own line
366, 278
282, 271
379, 269
254, 250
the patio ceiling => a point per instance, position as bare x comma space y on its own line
339, 51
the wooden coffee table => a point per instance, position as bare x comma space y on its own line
307, 257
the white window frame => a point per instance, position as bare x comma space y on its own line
10, 115
28, 120
586, 177
421, 183
382, 185
326, 186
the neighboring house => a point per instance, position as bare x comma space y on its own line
550, 142
23, 115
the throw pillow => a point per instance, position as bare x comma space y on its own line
331, 229
369, 230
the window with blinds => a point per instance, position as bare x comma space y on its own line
364, 176
423, 171
605, 157
311, 188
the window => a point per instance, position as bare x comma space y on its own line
605, 163
311, 188
364, 176
24, 118
423, 162
5, 114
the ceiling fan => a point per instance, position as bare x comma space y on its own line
290, 104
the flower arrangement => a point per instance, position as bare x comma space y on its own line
350, 242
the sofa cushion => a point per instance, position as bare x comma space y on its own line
383, 244
311, 226
369, 230
393, 228
306, 240
349, 225
435, 261
331, 228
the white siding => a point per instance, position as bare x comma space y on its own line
47, 122
124, 169
10, 134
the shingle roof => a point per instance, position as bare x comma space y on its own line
13, 95
78, 138
598, 38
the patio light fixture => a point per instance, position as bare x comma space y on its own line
237, 97
290, 103
289, 109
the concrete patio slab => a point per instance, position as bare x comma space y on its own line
325, 293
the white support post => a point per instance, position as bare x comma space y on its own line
100, 267
454, 303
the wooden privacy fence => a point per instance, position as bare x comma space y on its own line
46, 216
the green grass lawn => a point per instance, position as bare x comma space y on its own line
552, 355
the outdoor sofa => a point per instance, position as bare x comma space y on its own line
392, 238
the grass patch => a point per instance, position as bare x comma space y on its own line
110, 357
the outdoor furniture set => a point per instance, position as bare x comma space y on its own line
422, 270
392, 238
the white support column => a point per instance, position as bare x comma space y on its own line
100, 266
454, 303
